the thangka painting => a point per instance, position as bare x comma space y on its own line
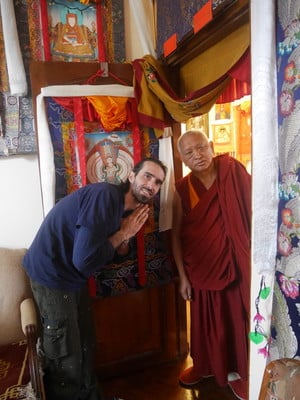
98, 156
70, 31
109, 156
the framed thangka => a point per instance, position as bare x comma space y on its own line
72, 31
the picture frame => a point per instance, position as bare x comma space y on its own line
200, 122
72, 31
222, 111
223, 137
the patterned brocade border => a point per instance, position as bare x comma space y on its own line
13, 375
17, 133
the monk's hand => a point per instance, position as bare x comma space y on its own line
134, 222
185, 289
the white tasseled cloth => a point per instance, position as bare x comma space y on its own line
14, 61
26, 392
168, 187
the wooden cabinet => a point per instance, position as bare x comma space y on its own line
139, 329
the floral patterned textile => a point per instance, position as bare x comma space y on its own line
35, 32
121, 276
286, 302
3, 70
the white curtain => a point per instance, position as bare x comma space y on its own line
264, 170
168, 188
140, 36
14, 61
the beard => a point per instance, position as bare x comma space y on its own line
138, 194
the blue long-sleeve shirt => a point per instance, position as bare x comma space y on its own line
72, 241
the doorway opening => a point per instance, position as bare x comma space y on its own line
228, 126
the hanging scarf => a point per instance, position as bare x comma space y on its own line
14, 61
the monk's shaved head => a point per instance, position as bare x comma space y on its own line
186, 134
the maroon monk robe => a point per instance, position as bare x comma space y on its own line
215, 237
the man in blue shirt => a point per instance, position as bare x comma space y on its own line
79, 236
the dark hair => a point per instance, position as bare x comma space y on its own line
136, 169
138, 166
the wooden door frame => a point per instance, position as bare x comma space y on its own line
226, 20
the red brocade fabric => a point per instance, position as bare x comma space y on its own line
240, 84
14, 371
216, 252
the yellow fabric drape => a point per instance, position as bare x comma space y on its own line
209, 68
215, 61
154, 96
4, 85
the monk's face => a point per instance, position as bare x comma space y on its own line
196, 152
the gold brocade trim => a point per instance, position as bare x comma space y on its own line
13, 392
4, 85
146, 142
109, 32
35, 32
4, 368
